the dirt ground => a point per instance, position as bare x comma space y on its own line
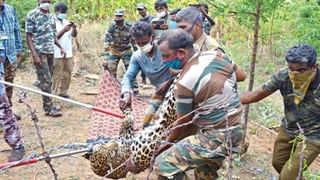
73, 127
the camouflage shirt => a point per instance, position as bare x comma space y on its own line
306, 114
118, 38
212, 90
42, 27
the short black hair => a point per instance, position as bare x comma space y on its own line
160, 3
62, 7
141, 29
177, 38
302, 53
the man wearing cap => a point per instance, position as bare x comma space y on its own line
190, 19
142, 9
118, 42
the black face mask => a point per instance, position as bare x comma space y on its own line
119, 21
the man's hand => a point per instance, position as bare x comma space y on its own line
164, 26
125, 101
163, 88
19, 57
67, 28
36, 59
63, 52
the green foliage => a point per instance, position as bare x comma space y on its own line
307, 23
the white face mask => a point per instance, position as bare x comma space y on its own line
146, 48
162, 14
61, 16
45, 6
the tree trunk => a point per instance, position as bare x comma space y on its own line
254, 58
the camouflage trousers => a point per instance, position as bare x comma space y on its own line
9, 122
44, 73
9, 74
113, 61
204, 152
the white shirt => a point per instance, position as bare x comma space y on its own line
65, 40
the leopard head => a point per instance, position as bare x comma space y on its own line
110, 156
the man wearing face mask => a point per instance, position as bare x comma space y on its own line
118, 42
142, 9
41, 30
206, 97
63, 65
10, 49
161, 8
190, 19
146, 59
299, 85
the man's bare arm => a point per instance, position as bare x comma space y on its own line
254, 96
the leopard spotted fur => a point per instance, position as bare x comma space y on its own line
141, 150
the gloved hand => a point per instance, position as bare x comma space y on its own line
125, 101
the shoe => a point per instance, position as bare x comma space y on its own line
18, 117
16, 154
54, 112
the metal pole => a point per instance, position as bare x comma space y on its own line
89, 106
42, 158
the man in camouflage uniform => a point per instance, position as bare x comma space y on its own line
10, 33
118, 42
299, 85
190, 19
41, 30
8, 121
209, 91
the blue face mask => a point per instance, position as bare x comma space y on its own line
61, 16
175, 63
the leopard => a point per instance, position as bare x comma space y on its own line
109, 160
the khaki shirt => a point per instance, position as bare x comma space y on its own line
206, 43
